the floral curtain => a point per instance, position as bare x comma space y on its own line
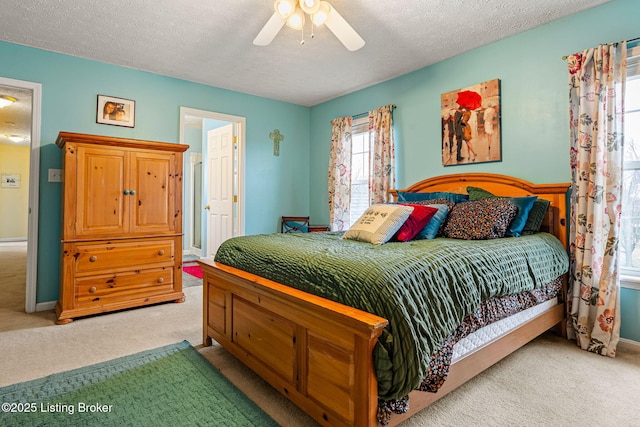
340, 174
382, 177
596, 97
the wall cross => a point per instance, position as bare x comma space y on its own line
276, 136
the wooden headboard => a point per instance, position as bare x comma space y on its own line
556, 219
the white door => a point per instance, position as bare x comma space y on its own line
220, 187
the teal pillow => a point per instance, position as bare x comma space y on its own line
430, 231
404, 196
524, 204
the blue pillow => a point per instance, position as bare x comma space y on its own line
524, 205
404, 196
430, 231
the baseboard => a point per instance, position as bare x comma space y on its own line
12, 242
44, 306
193, 251
629, 345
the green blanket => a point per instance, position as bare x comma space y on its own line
424, 288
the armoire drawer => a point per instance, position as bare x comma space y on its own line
108, 288
122, 256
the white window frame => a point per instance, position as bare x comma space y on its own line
359, 126
630, 278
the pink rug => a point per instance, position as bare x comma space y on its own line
194, 270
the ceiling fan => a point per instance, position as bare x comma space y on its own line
292, 13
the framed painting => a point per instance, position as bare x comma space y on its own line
471, 124
10, 180
116, 111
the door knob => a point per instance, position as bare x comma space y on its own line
207, 207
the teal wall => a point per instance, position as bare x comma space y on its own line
535, 115
70, 86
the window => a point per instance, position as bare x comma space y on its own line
630, 221
359, 169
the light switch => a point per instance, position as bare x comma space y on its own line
55, 175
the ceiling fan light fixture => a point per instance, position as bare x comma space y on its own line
296, 19
291, 12
309, 6
320, 16
6, 100
285, 8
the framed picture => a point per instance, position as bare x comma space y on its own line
10, 180
471, 124
116, 111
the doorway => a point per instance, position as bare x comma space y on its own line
202, 179
20, 145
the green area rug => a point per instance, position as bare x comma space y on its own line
169, 386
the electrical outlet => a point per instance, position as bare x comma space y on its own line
55, 175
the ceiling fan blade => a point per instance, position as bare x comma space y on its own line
270, 30
343, 31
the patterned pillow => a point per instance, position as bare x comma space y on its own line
418, 219
378, 223
531, 214
430, 202
479, 220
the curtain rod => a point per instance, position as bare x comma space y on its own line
564, 58
358, 116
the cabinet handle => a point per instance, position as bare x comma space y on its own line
93, 259
161, 280
133, 192
161, 252
92, 289
126, 192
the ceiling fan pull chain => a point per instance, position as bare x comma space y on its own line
312, 27
302, 35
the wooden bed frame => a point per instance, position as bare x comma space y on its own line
318, 353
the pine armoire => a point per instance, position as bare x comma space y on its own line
121, 224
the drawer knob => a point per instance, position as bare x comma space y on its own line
161, 252
133, 192
93, 258
161, 280
92, 289
126, 192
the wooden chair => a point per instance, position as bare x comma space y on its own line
295, 224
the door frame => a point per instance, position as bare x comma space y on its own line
241, 126
34, 188
194, 159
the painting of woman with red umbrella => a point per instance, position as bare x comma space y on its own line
471, 124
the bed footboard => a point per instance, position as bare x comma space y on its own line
316, 352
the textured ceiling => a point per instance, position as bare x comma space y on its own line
210, 41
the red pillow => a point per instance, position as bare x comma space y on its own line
418, 219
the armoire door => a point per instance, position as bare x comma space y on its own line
100, 185
151, 192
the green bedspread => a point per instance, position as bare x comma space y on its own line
424, 288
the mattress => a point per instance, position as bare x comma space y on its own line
489, 333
